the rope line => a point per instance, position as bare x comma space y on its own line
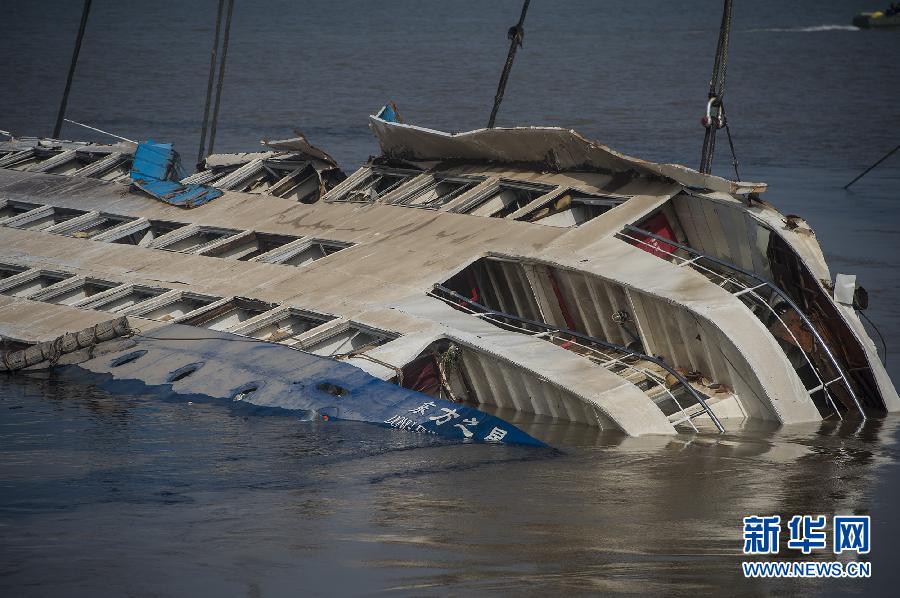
883, 343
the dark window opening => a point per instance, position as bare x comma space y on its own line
194, 242
79, 292
572, 208
229, 314
7, 270
147, 232
125, 299
50, 217
503, 199
10, 208
250, 246
375, 183
36, 283
438, 193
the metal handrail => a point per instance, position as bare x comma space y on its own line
588, 339
774, 288
751, 291
608, 357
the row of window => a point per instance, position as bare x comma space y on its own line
551, 205
171, 236
303, 329
80, 161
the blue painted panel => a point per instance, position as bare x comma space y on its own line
156, 163
220, 366
387, 113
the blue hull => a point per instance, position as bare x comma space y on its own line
187, 363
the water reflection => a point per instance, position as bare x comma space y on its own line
94, 487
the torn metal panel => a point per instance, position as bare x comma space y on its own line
292, 168
552, 148
155, 164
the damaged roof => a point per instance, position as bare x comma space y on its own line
552, 148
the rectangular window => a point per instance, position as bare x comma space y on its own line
10, 208
375, 183
30, 283
227, 314
122, 298
283, 325
439, 192
195, 239
248, 246
71, 292
141, 233
345, 339
503, 198
171, 306
95, 226
572, 208
7, 270
44, 217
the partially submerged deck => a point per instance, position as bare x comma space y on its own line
495, 267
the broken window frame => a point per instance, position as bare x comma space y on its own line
351, 189
318, 337
101, 301
201, 317
52, 293
73, 227
143, 308
579, 197
128, 229
28, 220
7, 285
286, 253
495, 188
235, 242
278, 314
15, 269
431, 183
23, 208
182, 234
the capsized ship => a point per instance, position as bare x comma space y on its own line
507, 271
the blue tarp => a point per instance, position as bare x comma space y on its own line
155, 164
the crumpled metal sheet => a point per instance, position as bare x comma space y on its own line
155, 164
302, 145
551, 148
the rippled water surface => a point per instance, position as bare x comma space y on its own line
120, 495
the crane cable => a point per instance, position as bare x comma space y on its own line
516, 35
201, 155
715, 107
215, 116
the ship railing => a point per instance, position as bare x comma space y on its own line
749, 287
606, 354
